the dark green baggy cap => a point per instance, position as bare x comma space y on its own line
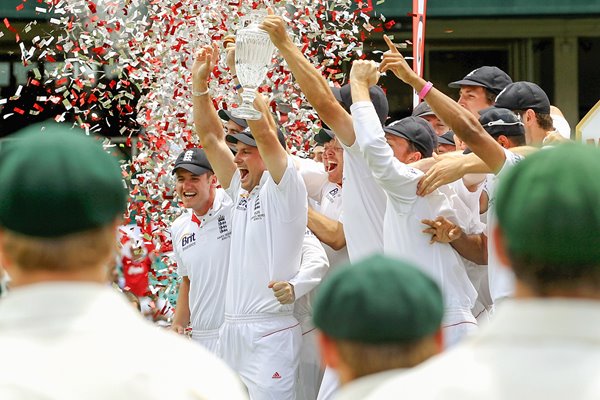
55, 181
378, 300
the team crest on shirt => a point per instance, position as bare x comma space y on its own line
188, 240
224, 232
257, 213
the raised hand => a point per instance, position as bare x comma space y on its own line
395, 62
365, 72
275, 26
206, 58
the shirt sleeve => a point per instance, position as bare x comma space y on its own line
289, 195
313, 268
397, 179
314, 177
175, 236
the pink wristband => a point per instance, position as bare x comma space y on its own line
425, 90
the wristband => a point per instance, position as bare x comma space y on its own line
425, 90
199, 94
237, 87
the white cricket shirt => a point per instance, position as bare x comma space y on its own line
202, 254
327, 197
501, 277
402, 232
364, 205
266, 242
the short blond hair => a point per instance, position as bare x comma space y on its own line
61, 254
367, 358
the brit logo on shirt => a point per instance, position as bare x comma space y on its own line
188, 240
331, 195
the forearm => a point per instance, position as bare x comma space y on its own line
318, 93
327, 230
472, 247
182, 311
313, 267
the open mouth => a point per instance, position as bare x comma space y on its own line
189, 195
243, 173
331, 166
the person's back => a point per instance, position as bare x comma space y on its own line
64, 332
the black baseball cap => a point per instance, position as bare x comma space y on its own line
447, 138
344, 96
324, 136
417, 131
523, 96
491, 78
193, 160
501, 121
226, 115
422, 110
246, 137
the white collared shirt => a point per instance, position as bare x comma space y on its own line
202, 254
364, 205
266, 242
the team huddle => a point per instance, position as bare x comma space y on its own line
248, 250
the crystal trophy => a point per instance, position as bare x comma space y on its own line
253, 55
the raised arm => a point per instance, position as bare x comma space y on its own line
264, 132
208, 125
459, 119
311, 82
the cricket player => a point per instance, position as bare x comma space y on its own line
260, 338
201, 243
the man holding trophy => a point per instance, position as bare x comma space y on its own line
260, 338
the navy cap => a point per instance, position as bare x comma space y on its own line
247, 138
344, 96
491, 78
422, 109
523, 96
417, 131
447, 138
324, 136
226, 115
501, 121
193, 160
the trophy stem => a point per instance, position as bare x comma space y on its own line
246, 110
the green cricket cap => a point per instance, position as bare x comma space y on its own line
378, 300
548, 206
55, 181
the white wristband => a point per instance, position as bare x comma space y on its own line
199, 94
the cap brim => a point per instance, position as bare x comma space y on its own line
424, 114
240, 137
443, 140
396, 133
465, 82
193, 168
226, 115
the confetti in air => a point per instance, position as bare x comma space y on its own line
125, 65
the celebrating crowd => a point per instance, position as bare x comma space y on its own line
447, 254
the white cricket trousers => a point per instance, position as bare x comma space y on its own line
310, 371
264, 350
209, 339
